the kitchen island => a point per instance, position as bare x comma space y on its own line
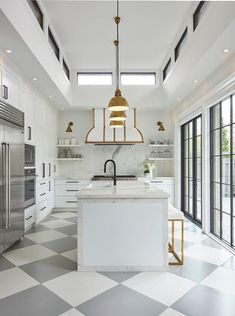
122, 227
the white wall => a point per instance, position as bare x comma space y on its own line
129, 159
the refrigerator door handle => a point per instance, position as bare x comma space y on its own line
9, 184
5, 177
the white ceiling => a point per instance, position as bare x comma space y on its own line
86, 31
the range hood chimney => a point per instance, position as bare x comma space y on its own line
101, 133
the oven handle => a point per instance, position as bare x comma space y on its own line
30, 177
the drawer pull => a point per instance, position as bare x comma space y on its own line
42, 194
156, 181
43, 183
72, 190
43, 208
72, 181
27, 218
71, 201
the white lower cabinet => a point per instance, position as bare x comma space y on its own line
29, 217
44, 198
66, 192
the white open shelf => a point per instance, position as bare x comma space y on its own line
161, 158
69, 159
161, 145
69, 145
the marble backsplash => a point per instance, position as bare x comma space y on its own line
129, 160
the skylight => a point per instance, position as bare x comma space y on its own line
95, 78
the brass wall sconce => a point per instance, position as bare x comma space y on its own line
161, 127
69, 128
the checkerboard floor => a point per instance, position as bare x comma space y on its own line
38, 277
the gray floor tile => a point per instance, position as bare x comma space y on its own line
193, 269
204, 301
72, 219
49, 218
211, 243
5, 264
49, 268
121, 301
68, 230
62, 244
119, 276
36, 229
230, 263
36, 301
25, 242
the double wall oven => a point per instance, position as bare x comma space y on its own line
30, 176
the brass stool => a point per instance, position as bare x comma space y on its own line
174, 215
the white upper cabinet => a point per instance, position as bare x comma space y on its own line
10, 89
29, 129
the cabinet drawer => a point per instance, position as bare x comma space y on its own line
66, 202
68, 189
41, 211
29, 216
42, 183
72, 181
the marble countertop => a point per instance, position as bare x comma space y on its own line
123, 190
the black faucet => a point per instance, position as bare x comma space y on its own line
114, 170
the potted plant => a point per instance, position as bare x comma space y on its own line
149, 166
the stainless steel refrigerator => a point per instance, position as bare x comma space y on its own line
11, 175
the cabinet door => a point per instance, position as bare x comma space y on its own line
28, 100
10, 89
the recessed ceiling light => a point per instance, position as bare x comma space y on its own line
178, 99
35, 79
195, 81
9, 51
226, 50
62, 108
50, 96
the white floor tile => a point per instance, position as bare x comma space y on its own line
171, 312
56, 224
208, 254
13, 281
221, 279
71, 254
45, 236
190, 236
64, 214
78, 287
28, 254
72, 312
163, 287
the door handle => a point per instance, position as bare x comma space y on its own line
5, 92
4, 156
29, 133
9, 185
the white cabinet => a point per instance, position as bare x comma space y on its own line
29, 217
66, 192
10, 89
29, 129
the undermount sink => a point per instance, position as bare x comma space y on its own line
120, 185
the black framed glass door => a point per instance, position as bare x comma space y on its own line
222, 170
191, 169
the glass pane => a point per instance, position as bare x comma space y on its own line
216, 142
225, 140
186, 167
216, 198
226, 203
216, 169
190, 166
199, 147
190, 148
233, 132
215, 116
217, 222
226, 169
186, 131
190, 206
234, 108
226, 228
186, 186
186, 203
199, 211
199, 127
199, 168
199, 191
190, 129
186, 149
225, 112
190, 188
233, 231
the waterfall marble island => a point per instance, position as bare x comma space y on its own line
122, 227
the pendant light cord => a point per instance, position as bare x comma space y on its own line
117, 49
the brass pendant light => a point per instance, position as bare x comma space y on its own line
118, 116
116, 124
118, 102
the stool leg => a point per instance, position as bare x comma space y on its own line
182, 241
173, 235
